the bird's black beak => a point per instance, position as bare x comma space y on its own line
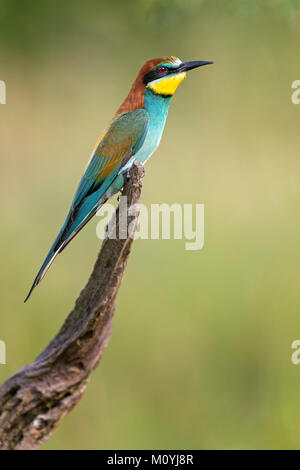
185, 66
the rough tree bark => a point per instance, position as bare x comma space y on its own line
38, 396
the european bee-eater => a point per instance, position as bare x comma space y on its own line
133, 135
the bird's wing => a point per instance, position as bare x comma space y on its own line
123, 139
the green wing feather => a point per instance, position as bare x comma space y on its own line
124, 137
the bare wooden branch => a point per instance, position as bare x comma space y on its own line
38, 396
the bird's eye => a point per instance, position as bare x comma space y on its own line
162, 69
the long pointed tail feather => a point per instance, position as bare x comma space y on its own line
46, 265
62, 240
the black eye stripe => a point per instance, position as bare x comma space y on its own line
155, 74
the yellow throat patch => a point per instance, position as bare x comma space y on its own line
167, 85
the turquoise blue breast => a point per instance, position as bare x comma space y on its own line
157, 108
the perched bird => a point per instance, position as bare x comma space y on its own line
133, 135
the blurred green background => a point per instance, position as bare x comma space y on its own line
202, 360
